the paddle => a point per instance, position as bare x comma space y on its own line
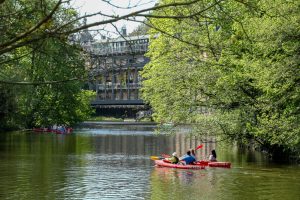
199, 147
156, 158
168, 156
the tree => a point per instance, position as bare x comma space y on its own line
48, 93
234, 73
46, 104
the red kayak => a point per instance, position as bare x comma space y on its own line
206, 162
162, 163
198, 165
214, 164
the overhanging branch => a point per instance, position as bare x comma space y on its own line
32, 29
39, 82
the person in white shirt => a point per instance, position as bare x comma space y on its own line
213, 156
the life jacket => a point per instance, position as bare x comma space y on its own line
174, 160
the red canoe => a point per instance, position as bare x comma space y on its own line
161, 163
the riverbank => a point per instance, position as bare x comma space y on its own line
99, 124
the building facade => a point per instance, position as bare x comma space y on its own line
114, 68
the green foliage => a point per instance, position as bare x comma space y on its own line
142, 29
52, 65
102, 118
233, 70
7, 107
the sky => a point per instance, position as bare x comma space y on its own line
93, 6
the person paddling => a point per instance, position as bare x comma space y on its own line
188, 158
173, 159
193, 154
213, 156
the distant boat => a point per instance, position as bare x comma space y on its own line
62, 130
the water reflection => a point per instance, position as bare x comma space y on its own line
139, 142
114, 164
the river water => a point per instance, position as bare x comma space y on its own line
114, 163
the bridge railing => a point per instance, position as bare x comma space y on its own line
134, 48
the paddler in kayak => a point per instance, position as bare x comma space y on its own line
173, 159
188, 159
213, 156
193, 154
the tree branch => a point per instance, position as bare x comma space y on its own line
127, 16
180, 17
38, 83
172, 36
32, 29
23, 39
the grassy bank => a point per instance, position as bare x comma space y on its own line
114, 119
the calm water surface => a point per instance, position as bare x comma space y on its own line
114, 163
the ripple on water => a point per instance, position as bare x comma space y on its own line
109, 177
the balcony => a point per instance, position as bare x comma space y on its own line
136, 103
119, 86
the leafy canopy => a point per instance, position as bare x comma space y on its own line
232, 70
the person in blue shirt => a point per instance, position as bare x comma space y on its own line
188, 158
193, 154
